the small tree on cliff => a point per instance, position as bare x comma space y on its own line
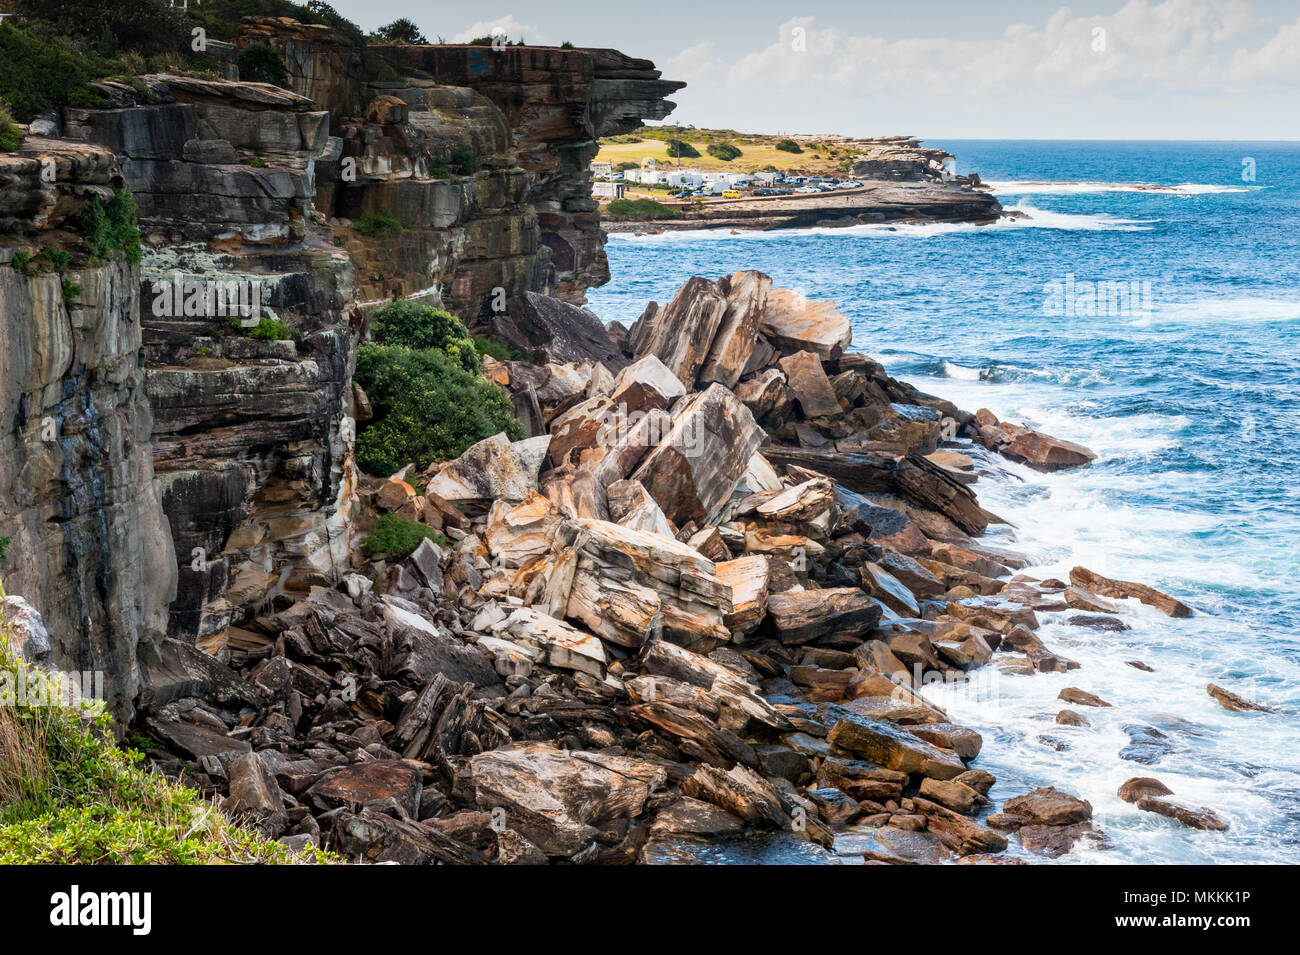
401, 30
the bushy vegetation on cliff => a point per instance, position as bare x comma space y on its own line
428, 394
395, 537
70, 795
639, 209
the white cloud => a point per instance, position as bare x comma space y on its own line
693, 63
1177, 45
512, 27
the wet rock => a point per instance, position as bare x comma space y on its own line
1071, 718
955, 795
1072, 694
1147, 745
1039, 451
1140, 787
957, 832
891, 747
1110, 587
1231, 701
1192, 818
695, 817
1049, 807
1056, 841
836, 807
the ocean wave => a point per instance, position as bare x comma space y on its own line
1241, 310
995, 372
1032, 218
1033, 187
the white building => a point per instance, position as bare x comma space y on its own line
602, 170
607, 190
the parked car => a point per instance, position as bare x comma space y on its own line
731, 194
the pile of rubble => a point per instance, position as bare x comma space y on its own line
697, 601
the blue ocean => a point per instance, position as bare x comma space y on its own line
1189, 391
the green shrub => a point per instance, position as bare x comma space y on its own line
788, 146
38, 75
640, 209
258, 63
494, 350
724, 151
4, 543
428, 406
679, 149
20, 261
11, 137
49, 259
257, 162
396, 537
419, 326
383, 224
464, 159
111, 227
71, 292
266, 330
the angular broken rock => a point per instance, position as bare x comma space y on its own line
558, 799
892, 747
739, 791
798, 616
356, 785
695, 469
748, 579
889, 590
1040, 451
738, 329
565, 647
493, 469
630, 505
811, 505
957, 832
1109, 587
1054, 841
645, 384
808, 383
681, 333
794, 323
516, 535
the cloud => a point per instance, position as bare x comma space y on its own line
1177, 45
512, 27
693, 63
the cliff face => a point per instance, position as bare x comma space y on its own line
244, 185
558, 102
90, 546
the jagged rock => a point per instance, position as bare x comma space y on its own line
24, 630
565, 647
361, 784
630, 505
957, 832
739, 791
253, 792
736, 698
493, 469
891, 747
376, 837
702, 458
681, 333
733, 344
1109, 587
800, 616
767, 397
556, 799
517, 535
886, 588
1231, 701
929, 486
1039, 451
645, 384
550, 330
810, 505
952, 794
794, 323
748, 579
809, 385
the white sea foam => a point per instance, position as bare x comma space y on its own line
1033, 187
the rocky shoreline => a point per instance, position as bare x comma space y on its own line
700, 601
903, 183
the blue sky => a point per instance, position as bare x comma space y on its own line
1028, 69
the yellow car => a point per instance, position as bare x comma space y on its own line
731, 194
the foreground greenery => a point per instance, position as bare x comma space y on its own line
396, 537
429, 397
70, 795
640, 209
